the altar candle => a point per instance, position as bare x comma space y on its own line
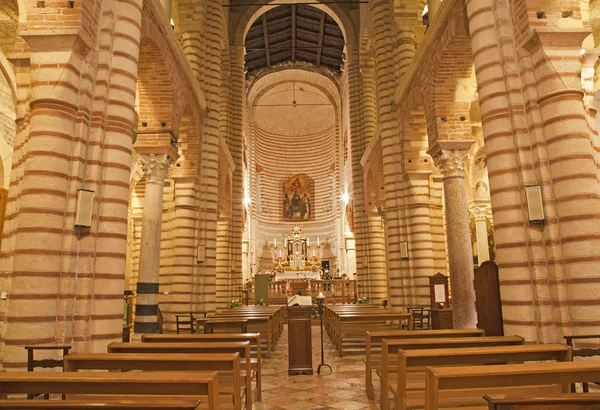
314, 254
318, 241
308, 242
280, 254
275, 242
285, 242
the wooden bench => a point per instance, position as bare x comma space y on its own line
253, 338
141, 404
355, 326
408, 388
536, 402
391, 348
192, 384
226, 364
372, 358
225, 323
465, 385
243, 348
253, 324
257, 323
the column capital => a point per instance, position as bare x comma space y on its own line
155, 166
479, 210
451, 163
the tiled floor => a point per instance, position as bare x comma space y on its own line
342, 389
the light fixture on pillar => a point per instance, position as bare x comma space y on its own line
200, 255
345, 198
535, 203
404, 250
84, 208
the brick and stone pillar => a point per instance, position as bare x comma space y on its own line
167, 6
432, 9
155, 166
460, 254
421, 239
479, 212
385, 82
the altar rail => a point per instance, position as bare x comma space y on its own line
336, 291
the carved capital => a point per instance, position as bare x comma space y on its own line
155, 166
479, 211
451, 163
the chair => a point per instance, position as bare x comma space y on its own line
45, 363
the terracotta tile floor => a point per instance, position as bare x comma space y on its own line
343, 389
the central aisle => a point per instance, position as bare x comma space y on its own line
342, 389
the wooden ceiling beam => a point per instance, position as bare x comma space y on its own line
321, 34
266, 37
293, 33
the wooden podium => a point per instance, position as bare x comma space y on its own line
300, 340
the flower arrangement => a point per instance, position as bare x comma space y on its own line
363, 301
234, 304
326, 275
261, 302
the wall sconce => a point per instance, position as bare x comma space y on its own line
404, 250
535, 203
84, 208
200, 253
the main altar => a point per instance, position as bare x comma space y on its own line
295, 258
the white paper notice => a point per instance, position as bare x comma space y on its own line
440, 293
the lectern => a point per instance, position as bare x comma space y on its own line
300, 340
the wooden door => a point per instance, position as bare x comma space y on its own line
487, 299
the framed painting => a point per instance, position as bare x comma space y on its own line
298, 200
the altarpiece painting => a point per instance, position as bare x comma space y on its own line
298, 199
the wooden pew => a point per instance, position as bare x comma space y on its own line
462, 385
391, 348
253, 338
192, 384
141, 404
226, 364
254, 324
569, 401
375, 339
355, 326
411, 364
243, 348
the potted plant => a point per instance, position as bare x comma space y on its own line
235, 304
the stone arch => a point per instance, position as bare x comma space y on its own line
155, 97
8, 116
190, 144
9, 26
453, 84
300, 75
245, 21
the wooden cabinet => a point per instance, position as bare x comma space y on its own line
300, 340
441, 319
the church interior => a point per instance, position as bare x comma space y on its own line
299, 204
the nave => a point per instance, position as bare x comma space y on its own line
378, 361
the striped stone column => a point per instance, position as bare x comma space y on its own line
381, 13
156, 167
357, 144
237, 109
460, 254
184, 249
504, 124
421, 239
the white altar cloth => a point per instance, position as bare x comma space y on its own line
298, 275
